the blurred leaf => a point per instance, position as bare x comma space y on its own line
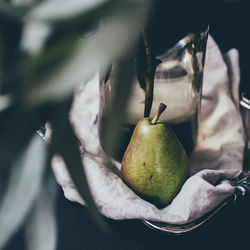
34, 36
65, 143
63, 10
37, 66
80, 24
1, 60
113, 39
11, 12
65, 31
61, 24
5, 102
10, 30
40, 228
23, 186
116, 114
16, 128
51, 58
25, 2
17, 9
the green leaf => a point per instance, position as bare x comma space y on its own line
116, 36
40, 227
24, 184
65, 143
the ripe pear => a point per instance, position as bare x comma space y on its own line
155, 162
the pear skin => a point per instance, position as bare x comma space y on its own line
155, 162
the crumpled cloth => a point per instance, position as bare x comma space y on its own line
214, 163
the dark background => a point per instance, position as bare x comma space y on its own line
229, 229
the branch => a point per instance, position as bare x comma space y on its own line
151, 64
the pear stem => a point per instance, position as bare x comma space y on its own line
148, 75
161, 108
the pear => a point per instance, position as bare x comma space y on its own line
155, 162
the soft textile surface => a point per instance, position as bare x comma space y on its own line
216, 160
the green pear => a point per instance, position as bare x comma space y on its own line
155, 162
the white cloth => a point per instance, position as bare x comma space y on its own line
216, 160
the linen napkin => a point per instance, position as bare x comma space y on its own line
214, 163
